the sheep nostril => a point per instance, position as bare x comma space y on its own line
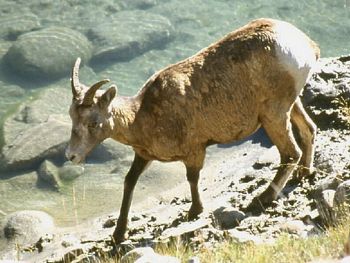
72, 157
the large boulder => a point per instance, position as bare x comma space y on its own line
26, 227
48, 53
128, 34
327, 94
30, 148
326, 98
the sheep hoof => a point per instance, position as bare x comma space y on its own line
194, 212
118, 238
256, 207
303, 172
258, 204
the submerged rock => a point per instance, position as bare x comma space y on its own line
11, 26
10, 96
39, 142
37, 131
128, 34
48, 173
139, 4
47, 54
70, 172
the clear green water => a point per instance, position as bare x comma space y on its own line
196, 24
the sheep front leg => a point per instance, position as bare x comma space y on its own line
193, 178
138, 166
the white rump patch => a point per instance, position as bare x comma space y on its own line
294, 52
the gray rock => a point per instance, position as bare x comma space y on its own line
147, 255
342, 194
11, 26
327, 183
331, 153
296, 227
38, 130
42, 141
53, 101
83, 258
208, 235
137, 253
26, 227
139, 4
111, 150
48, 173
11, 95
48, 53
194, 260
185, 228
244, 237
4, 47
69, 241
326, 92
70, 172
228, 217
325, 207
128, 34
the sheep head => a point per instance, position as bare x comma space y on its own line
90, 112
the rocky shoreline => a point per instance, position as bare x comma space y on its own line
228, 184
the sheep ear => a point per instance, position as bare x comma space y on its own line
107, 97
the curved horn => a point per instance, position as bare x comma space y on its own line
75, 78
90, 94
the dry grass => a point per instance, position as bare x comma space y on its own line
332, 244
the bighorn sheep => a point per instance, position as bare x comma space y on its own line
252, 77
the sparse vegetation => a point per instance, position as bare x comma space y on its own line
332, 244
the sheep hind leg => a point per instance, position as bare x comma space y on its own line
306, 131
192, 175
279, 130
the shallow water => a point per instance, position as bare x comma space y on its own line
195, 24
